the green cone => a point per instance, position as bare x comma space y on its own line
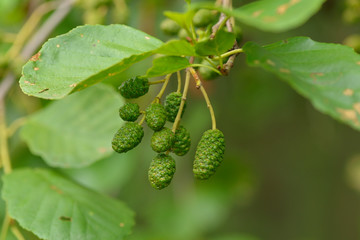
161, 171
209, 154
182, 141
155, 116
162, 140
134, 87
169, 27
172, 105
127, 137
203, 17
129, 112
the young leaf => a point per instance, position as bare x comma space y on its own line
176, 48
325, 73
76, 131
168, 64
222, 42
83, 57
53, 207
271, 15
183, 19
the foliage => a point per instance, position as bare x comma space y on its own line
77, 134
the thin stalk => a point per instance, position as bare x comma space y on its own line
206, 66
222, 24
142, 119
221, 63
182, 103
211, 62
206, 97
15, 230
230, 53
15, 125
5, 226
157, 82
4, 149
179, 81
161, 93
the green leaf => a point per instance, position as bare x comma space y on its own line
271, 15
76, 131
168, 64
82, 57
176, 48
53, 207
222, 42
325, 73
183, 19
108, 175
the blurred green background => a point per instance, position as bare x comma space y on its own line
289, 173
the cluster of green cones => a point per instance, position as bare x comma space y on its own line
210, 150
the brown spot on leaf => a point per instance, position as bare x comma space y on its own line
56, 189
44, 90
270, 62
257, 13
81, 35
257, 62
358, 63
293, 2
36, 68
349, 115
121, 224
284, 70
314, 75
269, 19
98, 41
57, 45
282, 8
72, 85
111, 74
348, 92
27, 82
102, 150
356, 106
146, 37
35, 57
63, 218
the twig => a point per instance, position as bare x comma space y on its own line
6, 84
15, 230
5, 226
206, 97
4, 148
182, 103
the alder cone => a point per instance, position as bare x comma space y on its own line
172, 105
129, 112
182, 141
161, 171
155, 116
170, 27
134, 87
127, 137
203, 17
162, 140
209, 154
